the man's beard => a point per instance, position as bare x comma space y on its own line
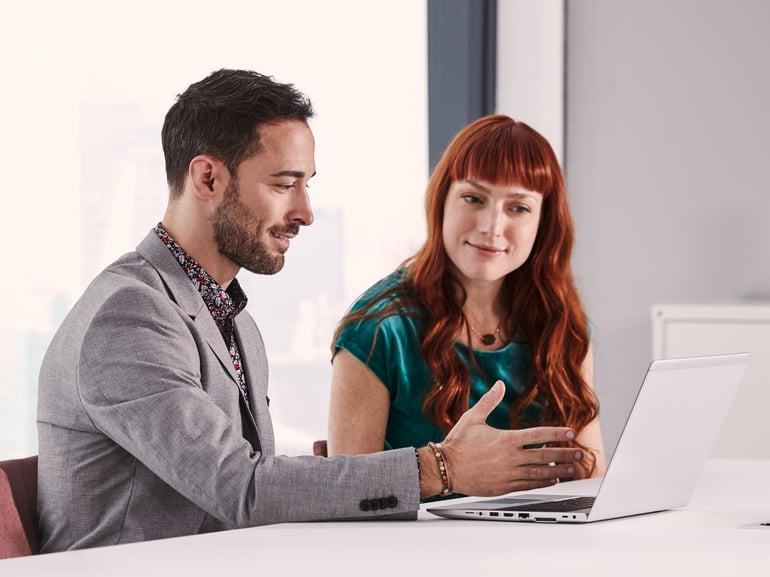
237, 232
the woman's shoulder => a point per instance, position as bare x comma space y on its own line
389, 289
386, 309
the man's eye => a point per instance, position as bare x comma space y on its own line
287, 187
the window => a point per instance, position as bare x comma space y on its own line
82, 106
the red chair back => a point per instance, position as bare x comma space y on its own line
19, 533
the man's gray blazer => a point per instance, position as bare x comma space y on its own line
144, 433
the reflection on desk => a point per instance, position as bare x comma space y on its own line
707, 538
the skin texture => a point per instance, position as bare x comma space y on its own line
247, 220
489, 231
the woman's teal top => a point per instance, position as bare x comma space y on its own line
397, 362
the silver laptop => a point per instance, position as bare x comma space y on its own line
668, 436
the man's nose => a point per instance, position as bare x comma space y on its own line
302, 212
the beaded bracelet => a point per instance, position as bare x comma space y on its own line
419, 471
443, 470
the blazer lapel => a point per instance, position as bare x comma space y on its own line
183, 292
256, 367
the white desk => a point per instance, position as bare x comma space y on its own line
705, 539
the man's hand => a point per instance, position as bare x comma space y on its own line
485, 461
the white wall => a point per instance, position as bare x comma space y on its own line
668, 168
666, 132
530, 66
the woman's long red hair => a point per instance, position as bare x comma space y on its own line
545, 310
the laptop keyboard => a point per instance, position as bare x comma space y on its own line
572, 504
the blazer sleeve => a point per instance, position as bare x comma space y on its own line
140, 380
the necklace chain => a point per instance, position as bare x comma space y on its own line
487, 339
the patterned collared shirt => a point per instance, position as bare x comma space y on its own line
223, 304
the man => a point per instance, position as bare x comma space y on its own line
153, 418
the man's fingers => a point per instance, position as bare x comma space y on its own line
486, 404
547, 455
543, 435
545, 472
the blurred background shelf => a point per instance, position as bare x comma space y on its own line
681, 330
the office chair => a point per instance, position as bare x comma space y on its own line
19, 533
320, 449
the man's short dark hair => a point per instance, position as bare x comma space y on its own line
221, 115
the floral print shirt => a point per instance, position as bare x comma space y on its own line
223, 304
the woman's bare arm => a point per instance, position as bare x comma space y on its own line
591, 436
358, 408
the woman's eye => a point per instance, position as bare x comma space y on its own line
521, 209
471, 198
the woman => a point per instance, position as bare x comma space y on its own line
490, 296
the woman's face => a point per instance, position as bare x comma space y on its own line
489, 229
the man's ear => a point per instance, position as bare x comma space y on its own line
208, 177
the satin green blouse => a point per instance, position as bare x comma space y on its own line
396, 360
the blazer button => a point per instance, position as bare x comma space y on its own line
377, 504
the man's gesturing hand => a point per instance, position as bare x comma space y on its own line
485, 461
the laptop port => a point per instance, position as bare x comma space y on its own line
523, 515
494, 514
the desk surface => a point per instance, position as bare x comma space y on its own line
716, 534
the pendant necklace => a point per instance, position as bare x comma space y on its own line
487, 339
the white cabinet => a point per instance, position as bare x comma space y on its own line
680, 330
